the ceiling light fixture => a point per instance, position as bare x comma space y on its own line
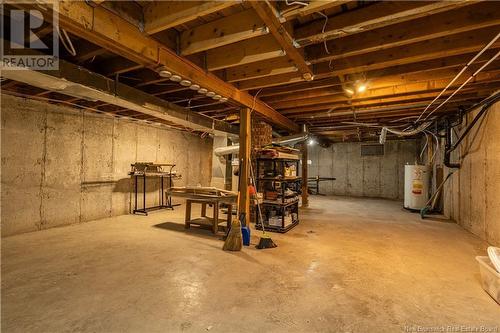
164, 72
175, 78
194, 87
185, 83
223, 99
311, 141
202, 91
361, 88
216, 97
210, 94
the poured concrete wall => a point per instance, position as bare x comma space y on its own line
472, 196
362, 176
62, 166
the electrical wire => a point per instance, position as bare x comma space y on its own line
425, 146
437, 145
487, 46
323, 31
463, 84
69, 46
288, 3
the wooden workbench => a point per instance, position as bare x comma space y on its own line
205, 196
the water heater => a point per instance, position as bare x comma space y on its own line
416, 186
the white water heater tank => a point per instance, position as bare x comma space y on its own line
416, 186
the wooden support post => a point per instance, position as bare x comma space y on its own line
244, 157
305, 195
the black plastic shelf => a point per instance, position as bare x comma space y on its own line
272, 228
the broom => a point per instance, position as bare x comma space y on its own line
265, 241
234, 239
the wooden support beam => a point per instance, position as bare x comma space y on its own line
266, 12
244, 52
244, 161
75, 81
481, 15
108, 30
224, 31
371, 17
162, 15
305, 194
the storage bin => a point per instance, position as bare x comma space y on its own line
490, 278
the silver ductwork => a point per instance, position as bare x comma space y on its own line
290, 140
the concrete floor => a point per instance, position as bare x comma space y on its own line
352, 265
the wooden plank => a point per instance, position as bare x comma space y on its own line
417, 71
313, 7
460, 20
269, 81
244, 159
457, 44
265, 11
244, 52
106, 29
162, 15
224, 31
348, 106
371, 17
260, 69
437, 79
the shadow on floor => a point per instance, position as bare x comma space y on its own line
201, 231
440, 219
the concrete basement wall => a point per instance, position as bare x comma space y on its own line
472, 196
62, 166
362, 176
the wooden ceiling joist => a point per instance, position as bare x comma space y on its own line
371, 17
224, 31
260, 69
311, 8
457, 44
244, 52
417, 71
162, 15
108, 30
266, 12
396, 84
482, 15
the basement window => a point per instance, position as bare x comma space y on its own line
372, 150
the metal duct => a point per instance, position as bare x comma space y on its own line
283, 141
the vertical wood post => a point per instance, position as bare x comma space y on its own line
244, 157
305, 195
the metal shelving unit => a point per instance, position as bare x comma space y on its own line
277, 180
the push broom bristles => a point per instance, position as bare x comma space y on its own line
265, 242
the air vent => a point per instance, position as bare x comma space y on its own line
372, 150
